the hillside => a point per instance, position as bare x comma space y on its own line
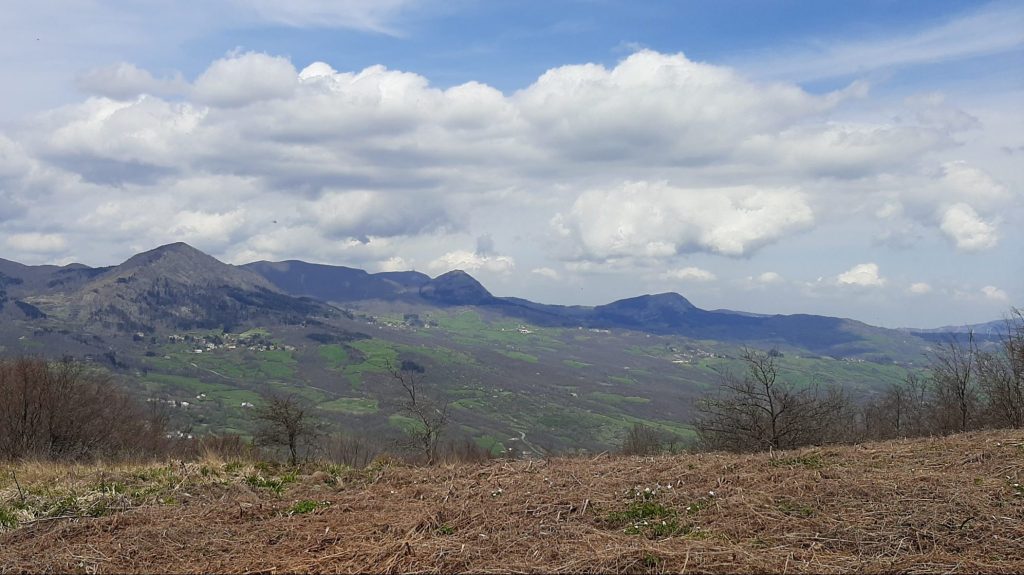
944, 505
178, 287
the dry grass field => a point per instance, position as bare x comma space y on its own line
947, 505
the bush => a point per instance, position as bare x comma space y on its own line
61, 411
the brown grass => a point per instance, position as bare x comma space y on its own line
923, 506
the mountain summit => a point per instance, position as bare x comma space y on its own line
456, 288
178, 287
183, 264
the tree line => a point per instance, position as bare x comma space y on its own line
964, 387
67, 411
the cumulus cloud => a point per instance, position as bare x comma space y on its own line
863, 275
919, 288
470, 261
690, 274
604, 168
995, 294
970, 184
124, 81
244, 79
654, 107
37, 243
659, 220
768, 278
967, 229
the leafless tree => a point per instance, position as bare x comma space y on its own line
430, 416
905, 409
642, 440
351, 450
955, 386
1001, 375
760, 411
464, 450
62, 411
285, 421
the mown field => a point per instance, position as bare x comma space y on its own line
941, 505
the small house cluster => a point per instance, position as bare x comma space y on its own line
228, 341
692, 355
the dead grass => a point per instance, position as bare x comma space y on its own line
924, 506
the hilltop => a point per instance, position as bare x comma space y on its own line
925, 506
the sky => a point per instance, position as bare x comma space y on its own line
855, 159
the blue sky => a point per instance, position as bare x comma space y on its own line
859, 159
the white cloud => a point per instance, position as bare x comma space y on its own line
864, 275
658, 220
37, 243
243, 79
995, 294
394, 264
548, 273
969, 184
123, 81
769, 278
470, 261
381, 153
967, 229
654, 106
690, 274
920, 288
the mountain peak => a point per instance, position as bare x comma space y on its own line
456, 288
670, 299
180, 248
661, 301
658, 310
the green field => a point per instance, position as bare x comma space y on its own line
351, 405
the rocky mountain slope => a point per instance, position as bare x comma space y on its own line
174, 286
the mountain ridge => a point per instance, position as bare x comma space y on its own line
143, 290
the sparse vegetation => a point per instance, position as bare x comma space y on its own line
429, 418
61, 411
286, 422
761, 411
923, 505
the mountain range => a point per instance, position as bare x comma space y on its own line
181, 287
177, 325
